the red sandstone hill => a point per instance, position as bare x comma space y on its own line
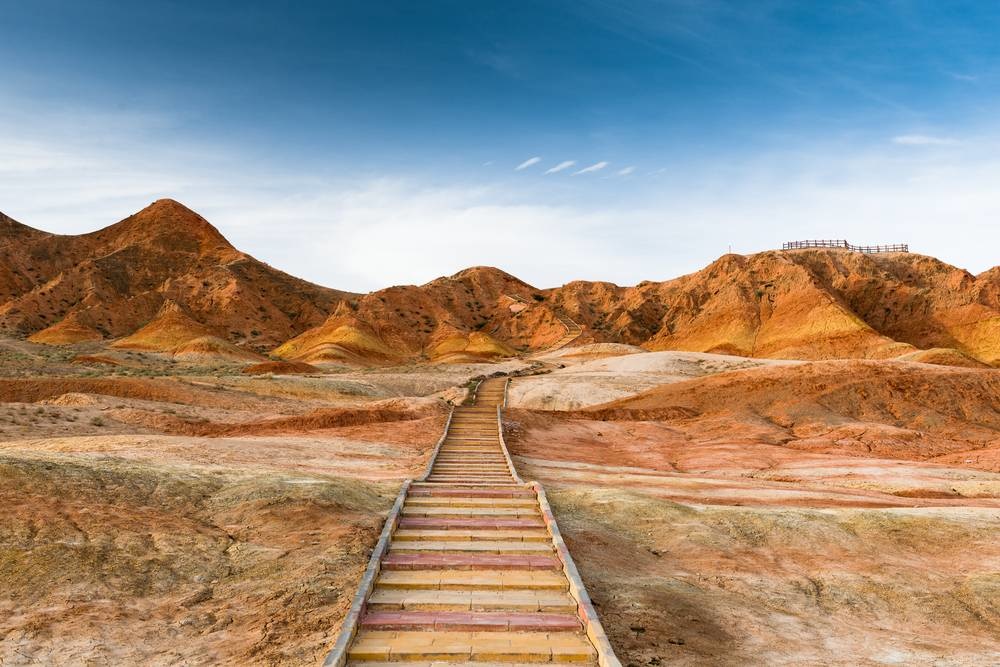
164, 279
479, 313
113, 282
804, 304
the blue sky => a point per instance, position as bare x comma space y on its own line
361, 144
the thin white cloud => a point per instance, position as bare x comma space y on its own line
597, 166
970, 78
565, 164
626, 171
531, 161
923, 140
56, 178
488, 163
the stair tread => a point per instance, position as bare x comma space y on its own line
526, 535
398, 560
480, 579
472, 620
451, 645
470, 574
472, 600
473, 546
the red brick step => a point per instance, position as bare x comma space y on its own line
468, 561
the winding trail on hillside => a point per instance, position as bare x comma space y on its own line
573, 330
471, 566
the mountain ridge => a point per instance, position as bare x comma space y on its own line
802, 304
114, 280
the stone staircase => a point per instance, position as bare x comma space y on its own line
573, 330
471, 567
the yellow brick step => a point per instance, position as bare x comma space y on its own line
466, 461
474, 480
384, 599
472, 473
479, 473
531, 647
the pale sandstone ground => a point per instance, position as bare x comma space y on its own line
801, 530
109, 561
708, 541
602, 373
124, 544
697, 584
165, 550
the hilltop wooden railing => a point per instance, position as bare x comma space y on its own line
840, 243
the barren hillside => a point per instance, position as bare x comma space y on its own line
112, 282
166, 280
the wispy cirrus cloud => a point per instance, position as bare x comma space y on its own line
923, 140
597, 166
530, 162
54, 177
565, 164
626, 171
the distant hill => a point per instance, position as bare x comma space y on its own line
112, 282
165, 279
801, 304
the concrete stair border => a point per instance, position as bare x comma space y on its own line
337, 657
561, 561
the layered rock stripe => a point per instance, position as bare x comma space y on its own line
472, 573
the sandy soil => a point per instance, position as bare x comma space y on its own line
124, 544
804, 515
686, 584
722, 511
602, 373
114, 561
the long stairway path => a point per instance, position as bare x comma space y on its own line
573, 330
470, 567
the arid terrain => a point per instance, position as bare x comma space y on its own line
785, 458
837, 512
722, 510
217, 518
165, 280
